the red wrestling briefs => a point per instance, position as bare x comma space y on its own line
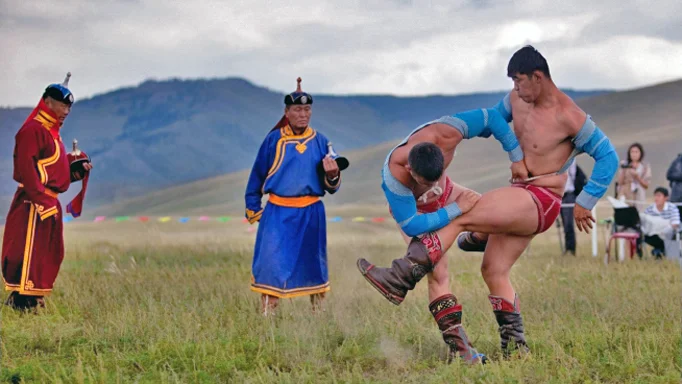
547, 202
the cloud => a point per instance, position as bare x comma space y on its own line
376, 46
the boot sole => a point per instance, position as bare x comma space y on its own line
469, 247
390, 297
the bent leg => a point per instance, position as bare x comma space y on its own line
507, 210
499, 257
447, 312
394, 282
439, 280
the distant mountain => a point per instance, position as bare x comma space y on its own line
649, 115
165, 133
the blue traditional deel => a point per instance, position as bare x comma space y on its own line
290, 254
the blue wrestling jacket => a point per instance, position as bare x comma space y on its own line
474, 123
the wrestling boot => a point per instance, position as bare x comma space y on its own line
509, 319
448, 316
404, 273
467, 242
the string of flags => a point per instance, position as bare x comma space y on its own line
221, 219
224, 219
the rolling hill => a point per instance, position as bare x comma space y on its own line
649, 115
166, 133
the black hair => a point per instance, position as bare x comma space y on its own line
427, 161
527, 60
662, 190
641, 150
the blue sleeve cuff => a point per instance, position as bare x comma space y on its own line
516, 154
586, 200
453, 211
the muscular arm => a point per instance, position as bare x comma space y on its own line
588, 138
504, 108
484, 123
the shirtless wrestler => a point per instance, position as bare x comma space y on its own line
422, 199
551, 130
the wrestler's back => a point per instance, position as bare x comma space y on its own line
543, 136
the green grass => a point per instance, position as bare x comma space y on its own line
170, 303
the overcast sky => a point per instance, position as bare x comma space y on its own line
337, 46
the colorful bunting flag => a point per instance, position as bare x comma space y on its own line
221, 219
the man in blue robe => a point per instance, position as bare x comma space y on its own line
295, 166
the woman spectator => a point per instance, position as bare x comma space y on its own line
634, 177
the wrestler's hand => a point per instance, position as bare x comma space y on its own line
467, 199
583, 218
519, 171
330, 167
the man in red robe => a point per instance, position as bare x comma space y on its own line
33, 247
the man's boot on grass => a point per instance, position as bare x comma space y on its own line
394, 282
509, 319
448, 316
27, 303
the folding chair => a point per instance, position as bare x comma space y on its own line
625, 218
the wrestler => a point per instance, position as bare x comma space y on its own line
551, 130
423, 199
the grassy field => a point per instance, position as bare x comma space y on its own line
170, 303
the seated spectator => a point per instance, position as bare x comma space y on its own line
662, 208
634, 177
